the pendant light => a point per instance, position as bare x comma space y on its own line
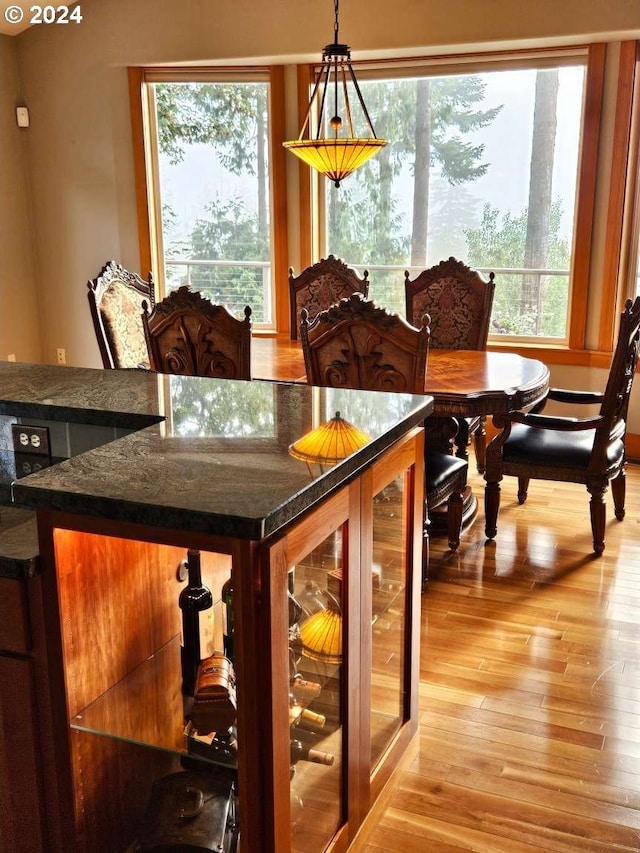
331, 152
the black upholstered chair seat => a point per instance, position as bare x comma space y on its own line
443, 474
549, 448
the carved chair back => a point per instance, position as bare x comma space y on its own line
115, 301
458, 300
356, 344
320, 286
187, 334
615, 401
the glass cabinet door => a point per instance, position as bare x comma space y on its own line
342, 660
388, 615
315, 608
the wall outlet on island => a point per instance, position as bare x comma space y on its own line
61, 355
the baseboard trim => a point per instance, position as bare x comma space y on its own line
632, 444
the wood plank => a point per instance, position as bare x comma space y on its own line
529, 686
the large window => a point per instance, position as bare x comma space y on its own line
481, 165
211, 207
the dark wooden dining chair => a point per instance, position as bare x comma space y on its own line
188, 335
459, 301
589, 450
320, 286
356, 344
115, 301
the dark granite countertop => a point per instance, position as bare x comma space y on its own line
116, 398
18, 543
215, 458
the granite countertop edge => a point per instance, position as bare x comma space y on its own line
32, 496
96, 483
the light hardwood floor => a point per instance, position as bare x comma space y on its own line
530, 686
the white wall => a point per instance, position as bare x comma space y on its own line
19, 309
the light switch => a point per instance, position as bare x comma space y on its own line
22, 116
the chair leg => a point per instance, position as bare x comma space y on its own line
480, 446
523, 489
598, 509
454, 519
491, 507
618, 490
461, 440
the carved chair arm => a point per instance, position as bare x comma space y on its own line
557, 423
563, 395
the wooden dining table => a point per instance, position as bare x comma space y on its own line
463, 383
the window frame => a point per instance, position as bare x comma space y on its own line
618, 249
628, 127
594, 55
146, 168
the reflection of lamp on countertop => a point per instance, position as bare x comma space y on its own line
329, 443
321, 633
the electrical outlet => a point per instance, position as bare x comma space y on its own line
11, 356
31, 439
61, 355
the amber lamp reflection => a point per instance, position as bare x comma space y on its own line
329, 443
321, 635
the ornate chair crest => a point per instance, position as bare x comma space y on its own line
356, 344
187, 334
322, 285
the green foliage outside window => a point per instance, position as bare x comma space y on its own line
500, 242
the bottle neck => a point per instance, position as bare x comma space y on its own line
194, 569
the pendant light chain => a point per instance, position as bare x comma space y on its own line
336, 24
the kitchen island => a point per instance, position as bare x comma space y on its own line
200, 464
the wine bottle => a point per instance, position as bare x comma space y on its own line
295, 610
311, 720
193, 599
228, 619
305, 753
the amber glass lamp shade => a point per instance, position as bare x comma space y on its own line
335, 158
330, 442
